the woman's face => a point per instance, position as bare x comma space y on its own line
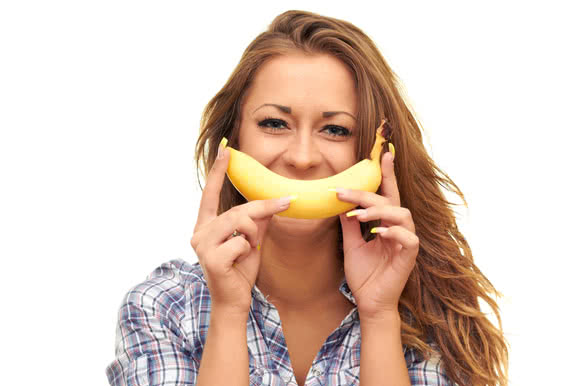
312, 134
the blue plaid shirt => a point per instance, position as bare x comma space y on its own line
163, 322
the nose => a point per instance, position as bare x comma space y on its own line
303, 152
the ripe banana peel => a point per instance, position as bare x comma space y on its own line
314, 199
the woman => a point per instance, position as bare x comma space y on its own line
387, 294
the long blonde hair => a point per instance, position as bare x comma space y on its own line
439, 304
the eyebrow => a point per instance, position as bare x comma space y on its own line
288, 110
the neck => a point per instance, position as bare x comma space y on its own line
300, 265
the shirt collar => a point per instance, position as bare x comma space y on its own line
257, 294
346, 291
343, 288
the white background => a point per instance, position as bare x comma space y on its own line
99, 113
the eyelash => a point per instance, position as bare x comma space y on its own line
266, 120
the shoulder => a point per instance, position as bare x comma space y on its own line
426, 371
159, 322
177, 272
169, 290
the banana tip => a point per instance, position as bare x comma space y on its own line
386, 129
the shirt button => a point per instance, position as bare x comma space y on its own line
317, 372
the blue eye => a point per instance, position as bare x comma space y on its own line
274, 125
269, 121
342, 131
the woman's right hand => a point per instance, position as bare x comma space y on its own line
230, 285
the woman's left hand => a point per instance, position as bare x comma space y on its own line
377, 271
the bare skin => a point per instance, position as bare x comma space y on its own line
300, 270
306, 335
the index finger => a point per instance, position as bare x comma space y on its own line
212, 189
259, 209
389, 186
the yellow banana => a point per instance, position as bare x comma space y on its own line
314, 199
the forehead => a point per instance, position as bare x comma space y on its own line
321, 81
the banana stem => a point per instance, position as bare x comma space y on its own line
377, 148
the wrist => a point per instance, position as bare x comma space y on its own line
384, 319
228, 316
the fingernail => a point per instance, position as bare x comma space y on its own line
392, 149
221, 149
341, 191
379, 230
258, 247
356, 212
287, 200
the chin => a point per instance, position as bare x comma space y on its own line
301, 223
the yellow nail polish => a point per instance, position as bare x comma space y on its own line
258, 247
392, 149
341, 191
223, 142
355, 212
378, 230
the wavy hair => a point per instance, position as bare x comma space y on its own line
439, 306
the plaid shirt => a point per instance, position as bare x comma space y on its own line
163, 322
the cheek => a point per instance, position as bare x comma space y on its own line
250, 141
259, 146
342, 157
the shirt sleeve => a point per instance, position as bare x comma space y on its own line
430, 372
150, 346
